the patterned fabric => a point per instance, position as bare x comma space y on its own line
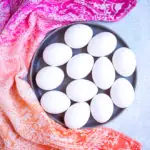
23, 123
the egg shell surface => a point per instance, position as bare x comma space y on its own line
78, 36
102, 44
81, 90
49, 78
122, 93
77, 115
124, 61
55, 102
103, 73
80, 66
57, 54
102, 108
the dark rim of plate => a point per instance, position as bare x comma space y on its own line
52, 32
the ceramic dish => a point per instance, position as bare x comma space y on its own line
38, 63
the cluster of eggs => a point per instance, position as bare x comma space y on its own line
81, 90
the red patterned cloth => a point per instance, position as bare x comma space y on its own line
23, 123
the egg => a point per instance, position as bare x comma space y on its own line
81, 90
103, 73
102, 44
122, 93
57, 54
101, 108
49, 78
77, 115
80, 66
78, 35
124, 61
55, 102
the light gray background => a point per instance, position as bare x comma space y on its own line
135, 30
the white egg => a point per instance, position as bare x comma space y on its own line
102, 108
78, 36
103, 73
77, 115
102, 44
124, 61
57, 54
49, 78
80, 66
122, 93
81, 90
55, 102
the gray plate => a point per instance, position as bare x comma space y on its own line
38, 63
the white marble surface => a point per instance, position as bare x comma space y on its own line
135, 30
